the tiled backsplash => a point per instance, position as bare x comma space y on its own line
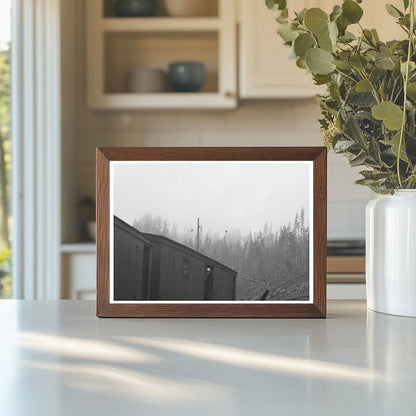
271, 123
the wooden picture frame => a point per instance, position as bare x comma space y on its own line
313, 307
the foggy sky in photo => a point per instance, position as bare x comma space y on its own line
225, 196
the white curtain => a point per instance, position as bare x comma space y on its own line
36, 148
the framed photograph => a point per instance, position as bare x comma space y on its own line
211, 232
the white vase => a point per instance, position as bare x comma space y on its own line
391, 253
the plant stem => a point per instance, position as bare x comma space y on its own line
346, 75
406, 80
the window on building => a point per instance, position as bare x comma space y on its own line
185, 267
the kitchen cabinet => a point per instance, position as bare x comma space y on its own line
118, 45
265, 70
78, 263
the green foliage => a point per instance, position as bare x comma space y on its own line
319, 61
4, 88
5, 281
389, 113
369, 112
351, 12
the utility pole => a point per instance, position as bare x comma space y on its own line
198, 228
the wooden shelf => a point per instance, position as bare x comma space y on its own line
87, 247
160, 24
127, 101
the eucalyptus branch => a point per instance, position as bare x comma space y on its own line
346, 75
392, 91
373, 88
406, 80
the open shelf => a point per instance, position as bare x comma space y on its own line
167, 100
160, 24
119, 45
127, 51
85, 247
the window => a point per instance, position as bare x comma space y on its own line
5, 145
185, 267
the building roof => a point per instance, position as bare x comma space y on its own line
161, 238
149, 238
130, 229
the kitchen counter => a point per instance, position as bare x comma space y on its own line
57, 358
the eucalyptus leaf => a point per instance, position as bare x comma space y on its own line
375, 35
358, 61
374, 174
303, 43
369, 36
412, 68
342, 25
333, 32
301, 15
287, 33
374, 150
358, 160
336, 12
353, 131
362, 100
365, 182
347, 37
316, 20
343, 145
345, 65
276, 4
411, 90
301, 63
281, 19
363, 86
393, 11
321, 79
384, 62
351, 11
320, 61
325, 42
395, 144
391, 115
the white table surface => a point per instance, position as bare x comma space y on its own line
57, 358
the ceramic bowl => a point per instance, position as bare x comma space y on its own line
186, 76
147, 80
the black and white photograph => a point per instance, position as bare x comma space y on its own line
211, 231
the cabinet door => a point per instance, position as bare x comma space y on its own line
265, 68
78, 276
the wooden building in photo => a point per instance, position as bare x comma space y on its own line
153, 267
181, 273
132, 262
